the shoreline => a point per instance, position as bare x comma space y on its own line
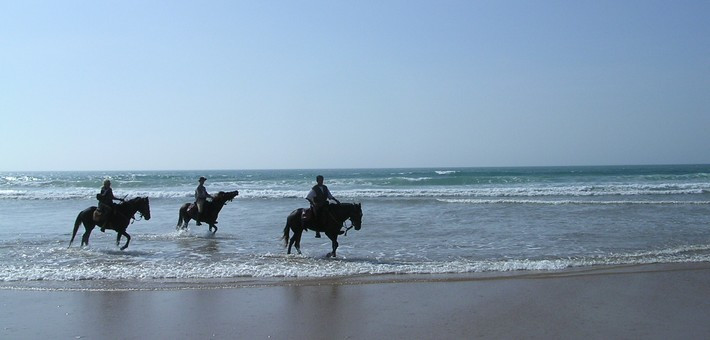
648, 301
148, 285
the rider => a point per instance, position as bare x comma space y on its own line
106, 205
318, 197
201, 196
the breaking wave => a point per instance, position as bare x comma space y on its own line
296, 266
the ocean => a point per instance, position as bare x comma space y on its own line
415, 221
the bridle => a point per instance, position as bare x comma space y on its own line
133, 218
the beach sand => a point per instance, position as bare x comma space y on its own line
650, 302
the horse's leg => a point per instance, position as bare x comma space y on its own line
180, 219
128, 239
184, 218
213, 226
290, 243
333, 236
297, 237
87, 233
290, 226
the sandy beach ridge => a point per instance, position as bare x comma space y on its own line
657, 301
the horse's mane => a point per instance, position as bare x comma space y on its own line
133, 200
224, 196
348, 205
134, 204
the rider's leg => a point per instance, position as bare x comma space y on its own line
316, 215
200, 208
105, 215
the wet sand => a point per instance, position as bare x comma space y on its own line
650, 302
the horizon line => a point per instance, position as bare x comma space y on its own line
375, 168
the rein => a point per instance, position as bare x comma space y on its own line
346, 229
343, 223
133, 217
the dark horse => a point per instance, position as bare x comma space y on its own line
118, 221
188, 211
338, 213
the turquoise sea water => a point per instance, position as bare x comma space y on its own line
438, 220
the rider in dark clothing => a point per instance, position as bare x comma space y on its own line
319, 196
201, 196
106, 205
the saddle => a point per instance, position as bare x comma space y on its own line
101, 219
192, 209
98, 216
307, 216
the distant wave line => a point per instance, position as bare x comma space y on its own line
568, 202
429, 192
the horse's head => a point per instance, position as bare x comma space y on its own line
143, 205
356, 216
223, 197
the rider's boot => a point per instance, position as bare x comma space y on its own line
316, 222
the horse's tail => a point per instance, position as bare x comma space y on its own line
179, 224
285, 237
76, 228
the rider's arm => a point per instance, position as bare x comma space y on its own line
311, 195
330, 196
109, 194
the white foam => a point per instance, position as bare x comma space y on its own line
271, 265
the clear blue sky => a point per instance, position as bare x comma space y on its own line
141, 85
